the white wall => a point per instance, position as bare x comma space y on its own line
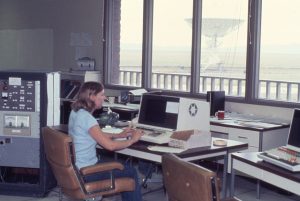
26, 35
26, 48
77, 32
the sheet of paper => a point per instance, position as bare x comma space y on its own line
172, 107
50, 103
258, 124
138, 92
56, 98
165, 149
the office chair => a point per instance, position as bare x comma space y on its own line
59, 152
187, 181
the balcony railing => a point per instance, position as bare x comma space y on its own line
267, 89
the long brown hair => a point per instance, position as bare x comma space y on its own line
83, 99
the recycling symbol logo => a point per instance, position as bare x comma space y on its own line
193, 109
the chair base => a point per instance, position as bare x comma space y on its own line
94, 199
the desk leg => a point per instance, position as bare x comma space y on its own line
224, 183
232, 180
257, 189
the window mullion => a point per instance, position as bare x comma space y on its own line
196, 47
147, 43
253, 49
107, 40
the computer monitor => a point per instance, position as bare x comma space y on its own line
216, 100
294, 133
159, 111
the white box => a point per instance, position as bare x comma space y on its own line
188, 139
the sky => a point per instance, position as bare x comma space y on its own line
172, 29
173, 32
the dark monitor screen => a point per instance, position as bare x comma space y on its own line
159, 111
217, 101
294, 135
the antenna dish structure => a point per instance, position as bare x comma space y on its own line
215, 29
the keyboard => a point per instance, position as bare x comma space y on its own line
155, 136
282, 157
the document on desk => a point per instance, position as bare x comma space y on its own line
245, 123
258, 124
165, 149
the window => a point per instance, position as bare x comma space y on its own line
172, 41
248, 48
223, 46
125, 67
279, 72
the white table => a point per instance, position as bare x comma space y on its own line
140, 150
250, 164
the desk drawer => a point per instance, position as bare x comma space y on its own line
241, 135
219, 129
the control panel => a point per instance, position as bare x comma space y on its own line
18, 95
19, 122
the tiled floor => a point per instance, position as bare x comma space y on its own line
245, 190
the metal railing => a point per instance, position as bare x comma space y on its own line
267, 89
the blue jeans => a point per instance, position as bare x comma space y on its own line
128, 171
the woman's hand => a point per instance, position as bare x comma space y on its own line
127, 132
136, 135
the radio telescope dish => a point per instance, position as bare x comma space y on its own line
215, 28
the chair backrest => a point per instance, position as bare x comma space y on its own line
59, 152
187, 181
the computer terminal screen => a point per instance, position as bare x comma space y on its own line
159, 111
294, 135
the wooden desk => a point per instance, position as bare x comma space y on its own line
250, 164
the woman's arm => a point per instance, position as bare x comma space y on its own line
106, 141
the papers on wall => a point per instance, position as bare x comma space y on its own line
82, 39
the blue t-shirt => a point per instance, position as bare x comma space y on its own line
85, 146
